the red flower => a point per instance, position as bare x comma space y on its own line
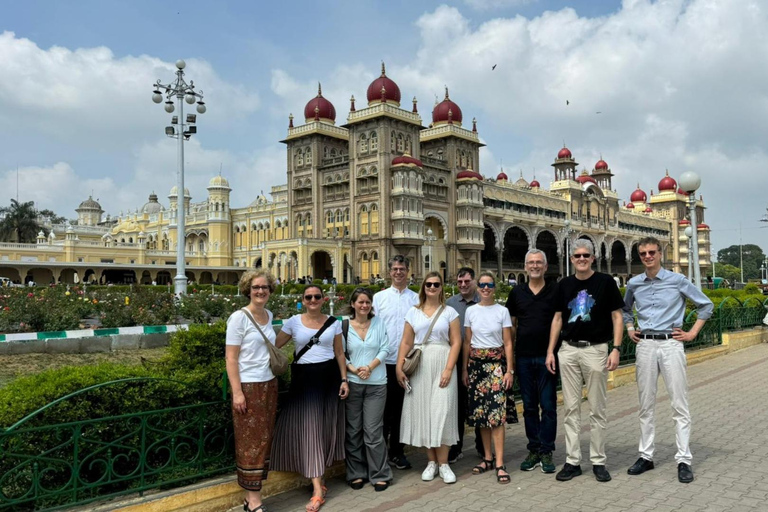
30, 294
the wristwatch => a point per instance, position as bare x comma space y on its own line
344, 380
616, 348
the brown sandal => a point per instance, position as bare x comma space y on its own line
503, 479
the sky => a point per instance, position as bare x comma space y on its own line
650, 86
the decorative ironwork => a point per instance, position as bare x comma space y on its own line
50, 467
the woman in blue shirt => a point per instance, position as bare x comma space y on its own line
366, 351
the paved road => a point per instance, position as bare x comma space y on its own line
729, 403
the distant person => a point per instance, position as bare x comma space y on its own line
618, 281
659, 297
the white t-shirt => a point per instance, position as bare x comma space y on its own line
320, 352
253, 361
420, 324
391, 305
486, 323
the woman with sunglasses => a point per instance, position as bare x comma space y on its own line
487, 371
309, 435
430, 409
254, 387
367, 348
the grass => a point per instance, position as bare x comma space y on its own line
29, 364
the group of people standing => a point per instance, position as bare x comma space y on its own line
350, 397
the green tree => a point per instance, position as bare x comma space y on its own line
729, 272
52, 217
19, 222
751, 254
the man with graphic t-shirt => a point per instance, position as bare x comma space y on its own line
588, 320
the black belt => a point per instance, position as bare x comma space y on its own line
656, 337
584, 344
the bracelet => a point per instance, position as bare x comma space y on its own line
343, 381
630, 328
511, 371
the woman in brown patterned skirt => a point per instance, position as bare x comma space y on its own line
254, 387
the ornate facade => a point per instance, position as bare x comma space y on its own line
381, 184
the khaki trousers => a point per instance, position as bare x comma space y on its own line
578, 366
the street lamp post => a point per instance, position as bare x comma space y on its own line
690, 182
430, 240
185, 128
689, 235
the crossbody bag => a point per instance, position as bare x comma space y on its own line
413, 357
278, 361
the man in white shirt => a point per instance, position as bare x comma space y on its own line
391, 305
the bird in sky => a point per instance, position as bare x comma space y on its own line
567, 103
598, 112
494, 67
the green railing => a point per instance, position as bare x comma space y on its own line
50, 467
730, 315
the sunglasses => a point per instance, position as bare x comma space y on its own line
258, 287
315, 297
432, 285
648, 253
581, 255
486, 285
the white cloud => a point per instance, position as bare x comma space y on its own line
496, 4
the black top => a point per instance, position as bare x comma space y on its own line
534, 314
587, 306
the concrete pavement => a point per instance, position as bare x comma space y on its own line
729, 405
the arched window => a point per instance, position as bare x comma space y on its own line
363, 144
338, 216
346, 215
374, 141
333, 153
374, 219
375, 270
308, 156
400, 143
365, 266
364, 220
299, 157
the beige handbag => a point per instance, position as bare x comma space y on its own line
278, 361
413, 357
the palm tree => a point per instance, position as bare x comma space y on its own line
19, 222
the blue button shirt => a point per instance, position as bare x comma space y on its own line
363, 352
660, 301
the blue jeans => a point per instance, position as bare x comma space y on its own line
538, 389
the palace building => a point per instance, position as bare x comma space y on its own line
358, 193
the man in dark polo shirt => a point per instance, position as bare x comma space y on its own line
532, 307
588, 320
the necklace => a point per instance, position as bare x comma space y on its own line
361, 328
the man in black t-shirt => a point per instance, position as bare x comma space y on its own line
532, 306
589, 321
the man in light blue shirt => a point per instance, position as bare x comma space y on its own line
658, 296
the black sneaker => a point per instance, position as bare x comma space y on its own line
455, 456
641, 466
400, 462
601, 474
569, 471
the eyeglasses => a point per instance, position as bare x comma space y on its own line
398, 270
463, 281
648, 253
315, 297
259, 287
432, 285
581, 255
486, 285
535, 263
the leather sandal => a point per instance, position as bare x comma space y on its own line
502, 479
481, 468
315, 502
260, 508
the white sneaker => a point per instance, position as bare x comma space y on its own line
430, 473
447, 474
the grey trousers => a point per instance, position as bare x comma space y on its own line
366, 450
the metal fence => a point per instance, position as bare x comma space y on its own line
51, 467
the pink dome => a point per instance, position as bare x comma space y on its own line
702, 226
638, 196
391, 90
630, 206
406, 159
648, 210
601, 165
446, 110
667, 183
502, 177
564, 153
319, 107
684, 222
585, 178
535, 184
468, 174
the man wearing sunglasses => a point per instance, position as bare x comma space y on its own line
588, 320
658, 296
467, 296
391, 305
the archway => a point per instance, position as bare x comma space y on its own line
619, 259
89, 276
69, 276
164, 277
515, 247
146, 278
40, 276
119, 276
206, 277
636, 263
546, 242
489, 256
321, 265
257, 263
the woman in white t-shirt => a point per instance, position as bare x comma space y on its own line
487, 371
254, 387
430, 409
309, 435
